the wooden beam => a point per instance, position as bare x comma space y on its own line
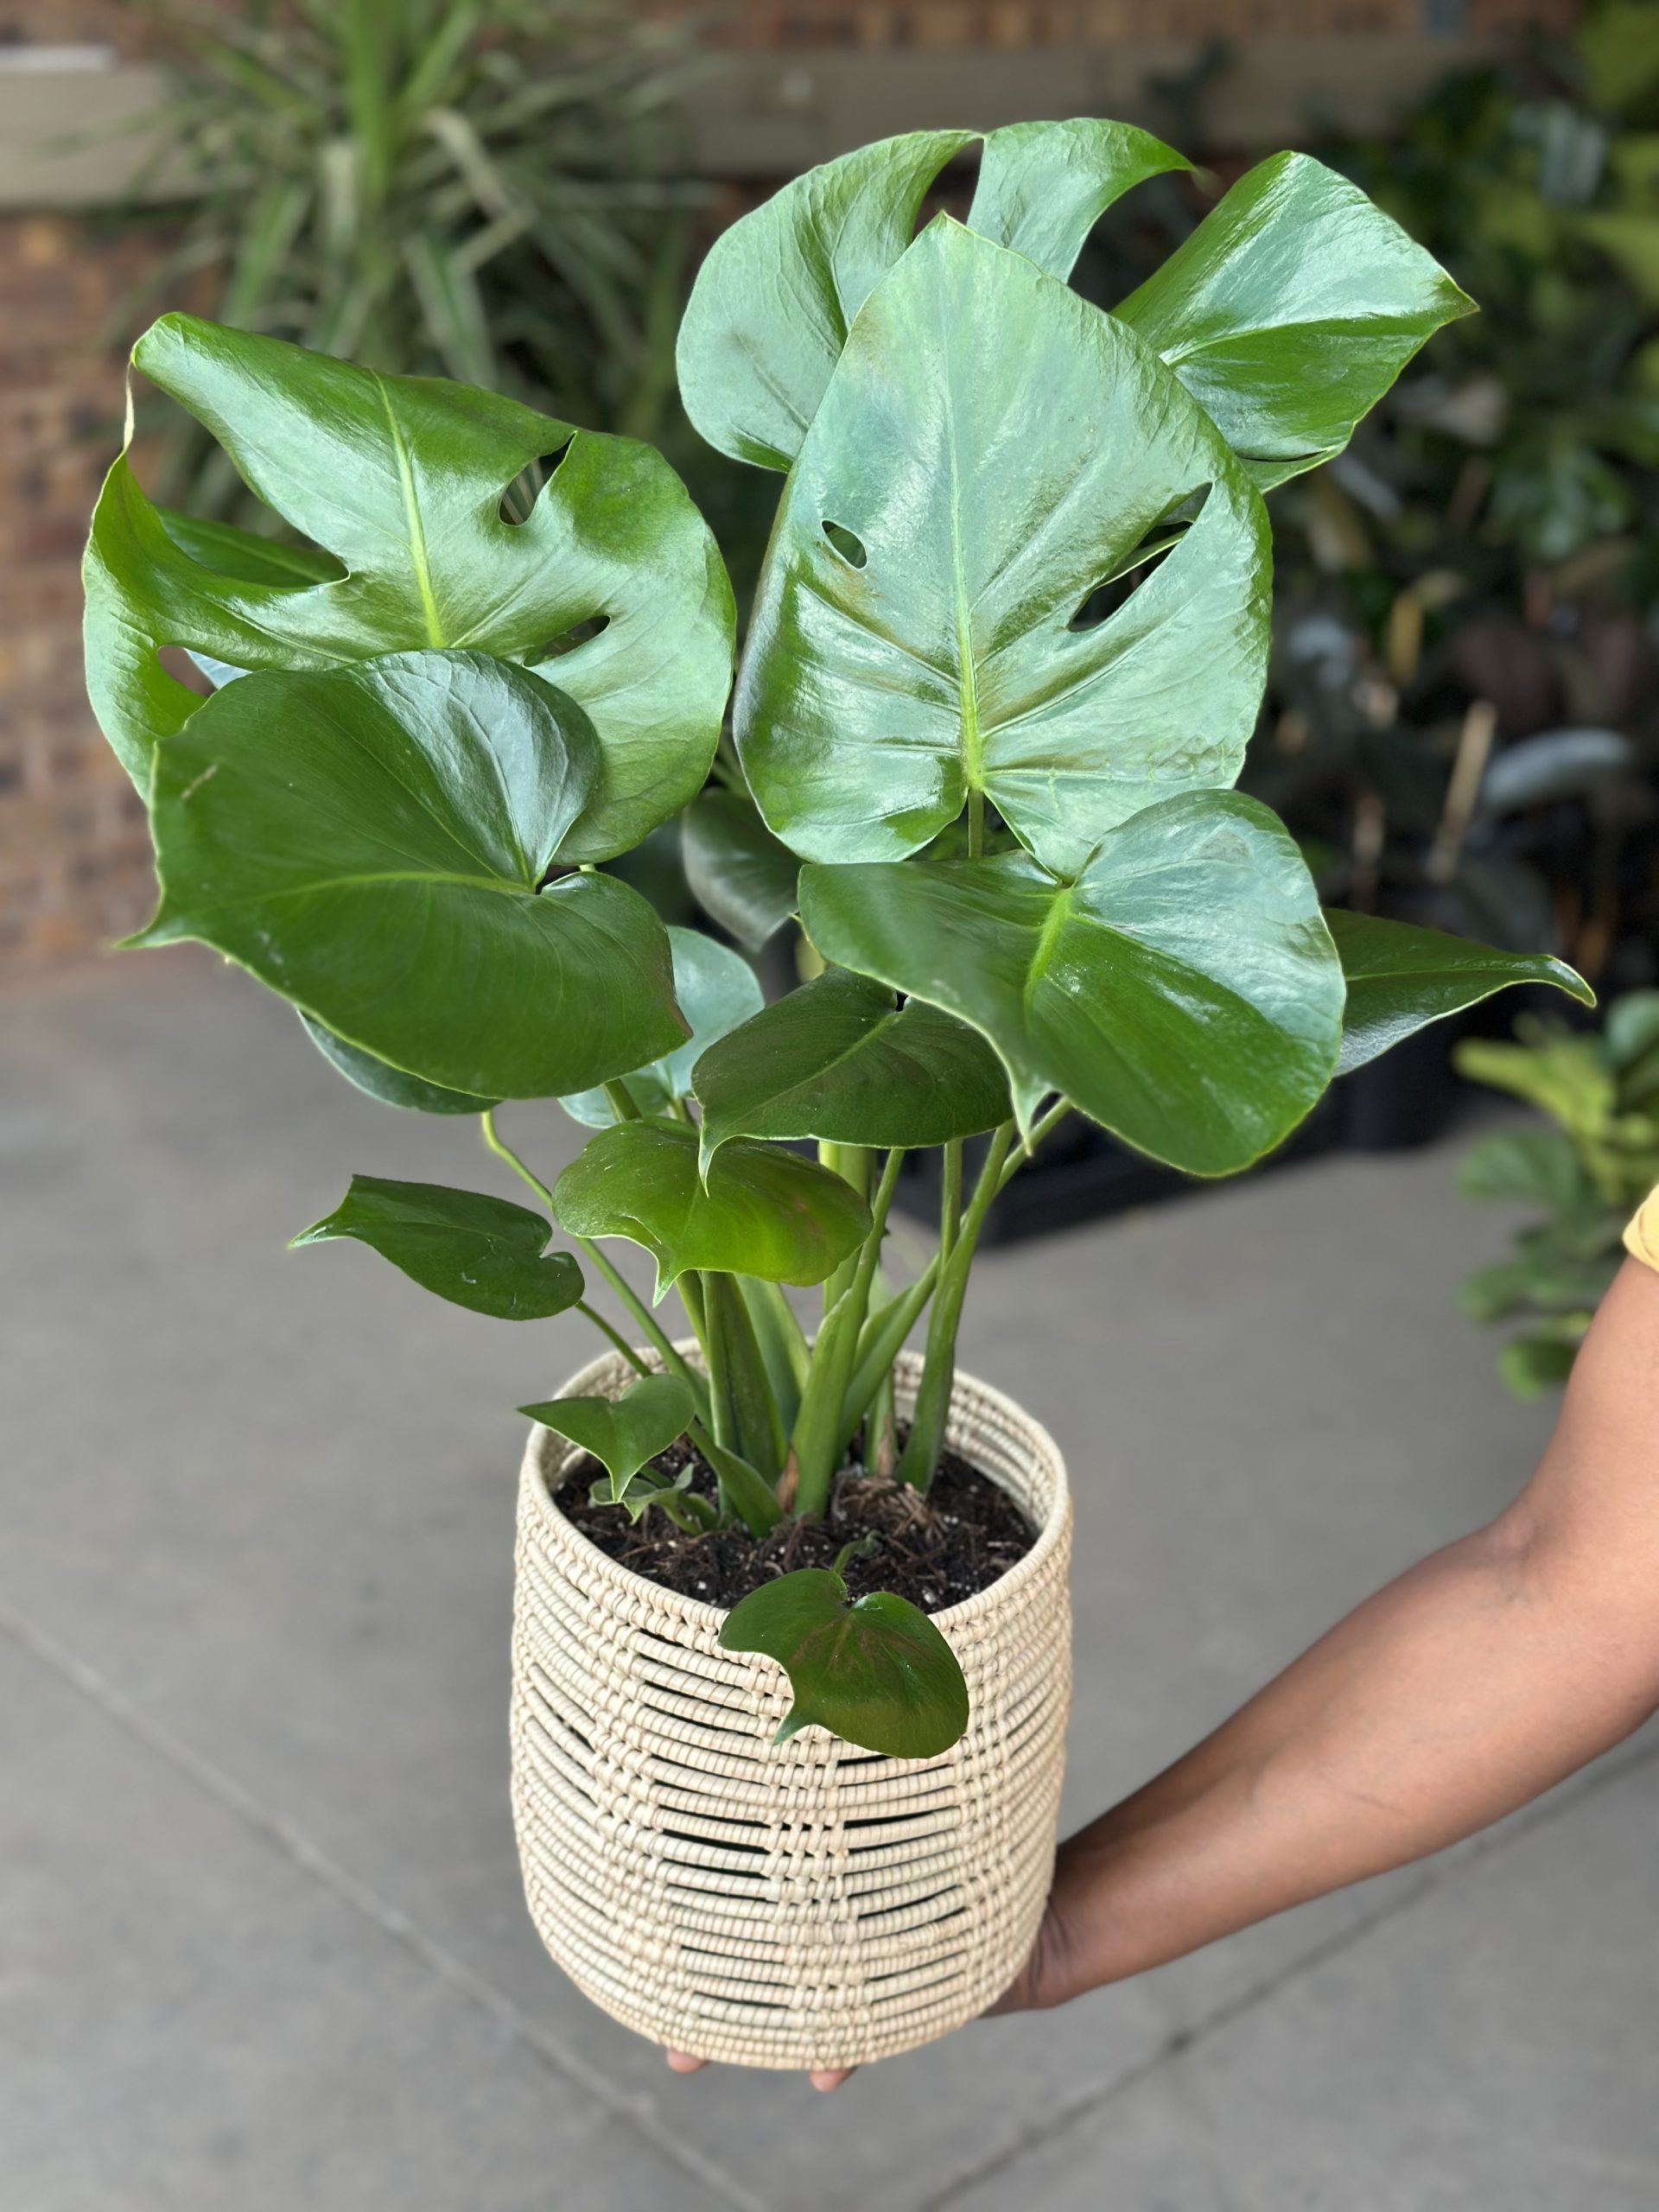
774, 115
762, 118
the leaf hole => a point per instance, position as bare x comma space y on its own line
521, 495
578, 633
1103, 599
850, 548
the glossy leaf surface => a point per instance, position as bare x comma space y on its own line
1043, 186
839, 1059
476, 1252
764, 1212
1290, 310
778, 289
877, 1674
716, 990
378, 1079
1400, 978
1183, 991
739, 873
997, 449
400, 479
336, 835
622, 1433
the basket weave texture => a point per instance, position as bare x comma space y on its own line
810, 1905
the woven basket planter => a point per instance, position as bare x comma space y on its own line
811, 1906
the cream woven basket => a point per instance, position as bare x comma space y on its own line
810, 1905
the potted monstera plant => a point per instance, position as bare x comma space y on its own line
790, 1652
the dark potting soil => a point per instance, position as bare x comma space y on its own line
934, 1549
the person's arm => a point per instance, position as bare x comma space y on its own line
1462, 1690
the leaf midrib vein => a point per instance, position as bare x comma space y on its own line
418, 554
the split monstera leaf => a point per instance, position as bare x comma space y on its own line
1007, 650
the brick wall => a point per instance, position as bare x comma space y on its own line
73, 849
73, 853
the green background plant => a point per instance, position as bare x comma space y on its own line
1585, 1176
483, 189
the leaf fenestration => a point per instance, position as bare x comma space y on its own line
399, 480
780, 286
999, 447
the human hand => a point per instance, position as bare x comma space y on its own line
822, 2077
1056, 1971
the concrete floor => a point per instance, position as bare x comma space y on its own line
261, 1940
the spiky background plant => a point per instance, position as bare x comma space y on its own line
1007, 650
483, 189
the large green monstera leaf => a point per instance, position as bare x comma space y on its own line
375, 845
778, 293
1183, 991
611, 582
991, 450
1287, 315
1290, 310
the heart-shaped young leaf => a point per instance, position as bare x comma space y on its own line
716, 990
336, 834
779, 289
389, 1084
622, 1433
764, 1212
1183, 991
840, 1060
878, 1673
401, 479
990, 450
1400, 978
474, 1250
739, 873
1290, 310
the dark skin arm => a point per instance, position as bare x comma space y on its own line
1477, 1680
1463, 1689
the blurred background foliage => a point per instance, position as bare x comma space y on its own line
492, 190
1581, 1178
1462, 722
1462, 710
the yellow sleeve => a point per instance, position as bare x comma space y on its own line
1642, 1237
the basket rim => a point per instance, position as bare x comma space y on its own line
695, 1611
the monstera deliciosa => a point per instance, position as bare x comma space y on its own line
1005, 650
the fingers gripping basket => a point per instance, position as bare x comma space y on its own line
810, 1905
